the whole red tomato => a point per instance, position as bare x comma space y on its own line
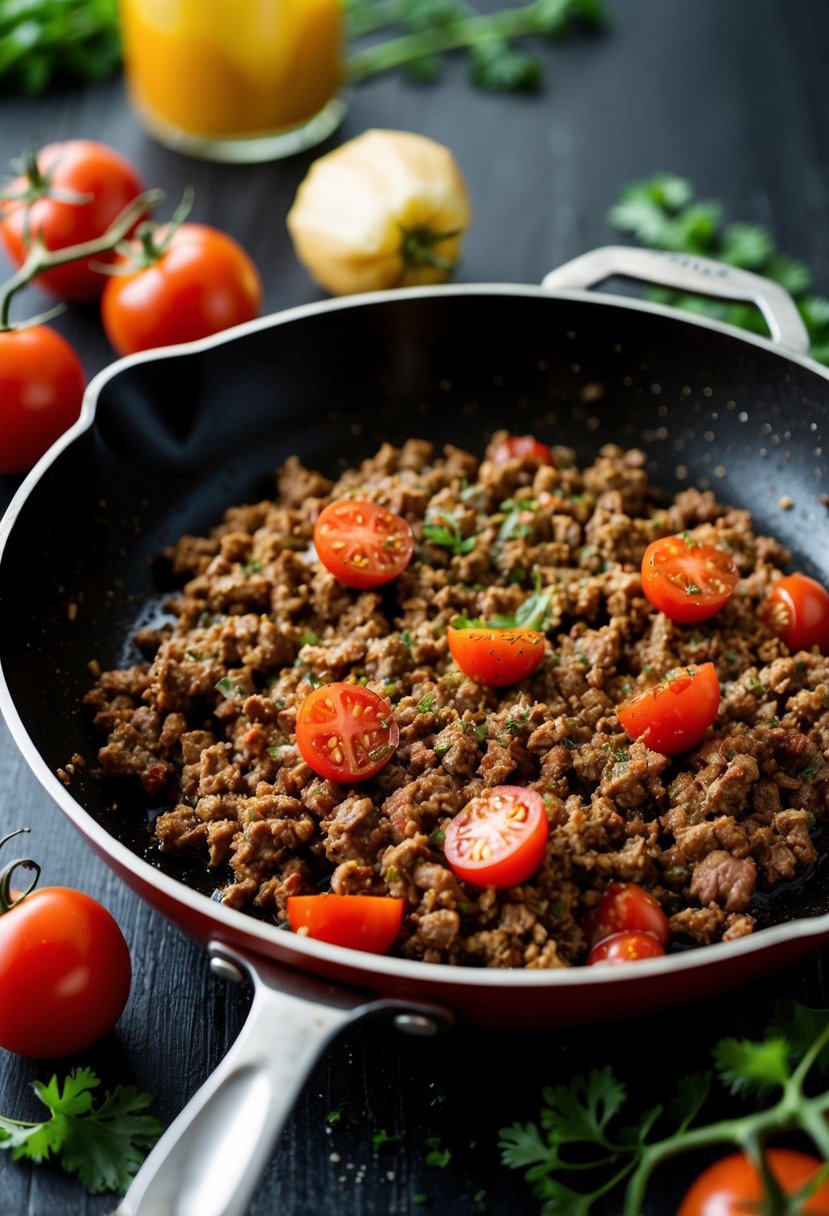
192, 283
71, 194
732, 1186
41, 387
64, 973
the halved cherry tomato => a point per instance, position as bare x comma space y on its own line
686, 580
362, 544
732, 1186
626, 906
797, 609
516, 447
498, 839
674, 715
195, 282
346, 732
496, 657
41, 388
361, 922
627, 947
72, 193
64, 973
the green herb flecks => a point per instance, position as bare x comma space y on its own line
535, 612
103, 1145
662, 213
587, 1132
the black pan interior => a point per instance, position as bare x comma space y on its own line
178, 439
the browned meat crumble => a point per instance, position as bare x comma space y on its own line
207, 724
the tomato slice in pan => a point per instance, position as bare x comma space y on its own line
362, 544
686, 580
625, 906
627, 947
674, 715
361, 922
515, 447
732, 1186
496, 657
797, 609
498, 839
346, 732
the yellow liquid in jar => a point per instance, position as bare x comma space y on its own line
232, 68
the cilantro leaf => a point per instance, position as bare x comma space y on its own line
582, 1109
103, 1145
45, 41
753, 1068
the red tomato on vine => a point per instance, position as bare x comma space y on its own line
179, 282
64, 969
68, 193
41, 388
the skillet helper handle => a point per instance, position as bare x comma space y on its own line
695, 275
210, 1160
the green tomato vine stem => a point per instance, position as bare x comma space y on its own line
792, 1111
40, 259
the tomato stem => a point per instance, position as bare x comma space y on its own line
417, 248
150, 249
40, 259
7, 902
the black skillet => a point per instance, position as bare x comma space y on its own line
168, 439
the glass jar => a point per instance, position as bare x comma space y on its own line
235, 80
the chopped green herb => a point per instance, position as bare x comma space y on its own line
443, 529
308, 638
426, 705
230, 690
441, 749
437, 1154
438, 836
514, 724
251, 567
103, 1145
406, 639
809, 772
44, 42
382, 1137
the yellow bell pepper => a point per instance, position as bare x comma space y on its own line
387, 209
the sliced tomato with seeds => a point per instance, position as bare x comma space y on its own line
797, 609
516, 447
626, 906
686, 580
627, 947
361, 543
674, 715
498, 839
360, 922
346, 732
496, 657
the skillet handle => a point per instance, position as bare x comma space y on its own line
210, 1160
696, 275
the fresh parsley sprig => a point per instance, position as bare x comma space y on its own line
533, 613
424, 31
45, 41
104, 1145
443, 529
582, 1130
663, 213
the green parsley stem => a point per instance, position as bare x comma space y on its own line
540, 17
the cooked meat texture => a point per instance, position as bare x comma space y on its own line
206, 726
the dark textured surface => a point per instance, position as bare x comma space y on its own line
734, 97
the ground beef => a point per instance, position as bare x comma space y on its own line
206, 726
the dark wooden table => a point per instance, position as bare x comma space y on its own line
735, 97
